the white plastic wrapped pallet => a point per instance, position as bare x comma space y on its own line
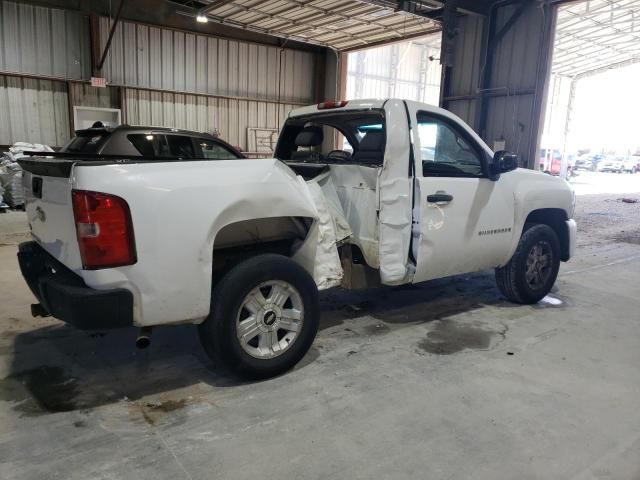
11, 173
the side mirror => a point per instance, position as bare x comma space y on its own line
502, 162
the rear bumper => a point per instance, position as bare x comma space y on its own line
65, 296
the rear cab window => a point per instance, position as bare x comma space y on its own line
348, 137
86, 142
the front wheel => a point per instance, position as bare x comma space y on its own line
533, 269
264, 317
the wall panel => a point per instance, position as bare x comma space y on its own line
44, 41
33, 111
85, 95
151, 57
500, 72
231, 118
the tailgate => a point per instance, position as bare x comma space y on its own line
47, 186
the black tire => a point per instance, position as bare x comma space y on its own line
511, 279
218, 333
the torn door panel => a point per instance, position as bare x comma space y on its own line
356, 187
331, 228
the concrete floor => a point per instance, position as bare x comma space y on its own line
441, 381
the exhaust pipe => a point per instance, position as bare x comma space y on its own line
37, 310
144, 338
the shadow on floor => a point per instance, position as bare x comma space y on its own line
58, 368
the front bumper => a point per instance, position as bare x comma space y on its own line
65, 296
572, 231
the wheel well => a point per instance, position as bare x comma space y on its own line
555, 218
240, 240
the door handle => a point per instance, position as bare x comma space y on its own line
439, 198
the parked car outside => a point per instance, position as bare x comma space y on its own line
587, 162
551, 162
583, 162
612, 165
630, 165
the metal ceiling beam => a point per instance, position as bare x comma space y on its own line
421, 34
353, 25
212, 6
298, 4
417, 7
603, 69
594, 34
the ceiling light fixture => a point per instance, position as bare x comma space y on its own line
201, 18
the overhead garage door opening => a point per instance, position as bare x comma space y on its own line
590, 126
409, 70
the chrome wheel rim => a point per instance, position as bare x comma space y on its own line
269, 319
539, 265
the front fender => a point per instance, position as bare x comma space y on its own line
533, 192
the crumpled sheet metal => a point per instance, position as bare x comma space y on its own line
396, 199
357, 190
332, 202
327, 270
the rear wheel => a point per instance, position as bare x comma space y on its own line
264, 317
533, 269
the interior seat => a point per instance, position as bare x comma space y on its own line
308, 138
371, 148
339, 155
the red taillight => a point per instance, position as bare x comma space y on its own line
332, 104
104, 228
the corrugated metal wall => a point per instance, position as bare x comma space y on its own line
503, 101
166, 59
511, 116
172, 78
83, 94
401, 70
44, 41
464, 81
230, 118
33, 111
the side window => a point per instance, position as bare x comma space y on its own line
146, 145
181, 147
215, 151
444, 152
150, 145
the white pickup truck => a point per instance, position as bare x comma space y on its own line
241, 247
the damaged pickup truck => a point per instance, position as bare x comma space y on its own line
241, 247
